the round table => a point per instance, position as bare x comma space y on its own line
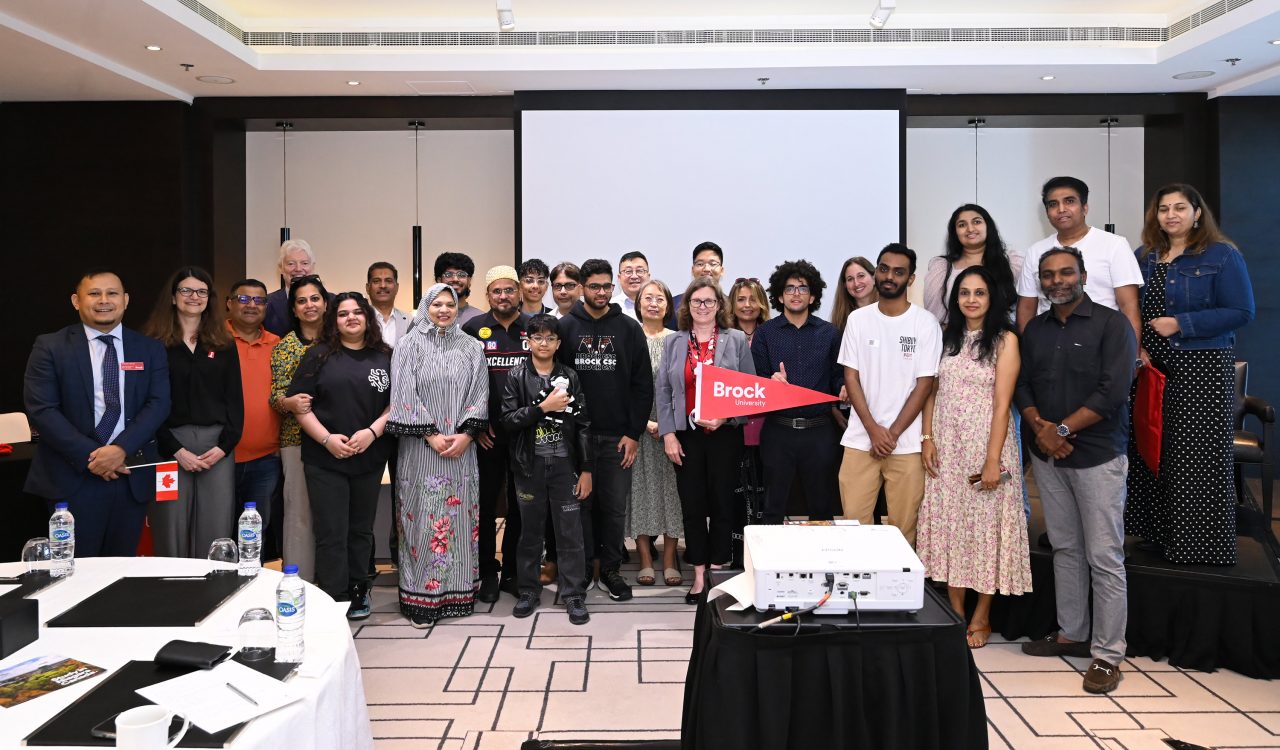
332, 713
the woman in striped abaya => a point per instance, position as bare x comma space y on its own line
439, 403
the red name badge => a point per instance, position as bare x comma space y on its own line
128, 366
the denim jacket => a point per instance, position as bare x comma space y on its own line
1209, 294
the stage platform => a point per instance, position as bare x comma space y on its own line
1194, 616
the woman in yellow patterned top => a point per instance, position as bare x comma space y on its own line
308, 301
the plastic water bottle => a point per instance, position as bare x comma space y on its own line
62, 541
250, 541
291, 613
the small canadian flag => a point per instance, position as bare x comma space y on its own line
167, 481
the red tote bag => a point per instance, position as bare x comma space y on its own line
1148, 416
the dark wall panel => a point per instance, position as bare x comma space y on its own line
1249, 181
90, 184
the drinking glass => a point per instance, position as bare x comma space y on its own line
257, 633
37, 554
224, 555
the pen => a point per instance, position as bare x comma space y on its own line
241, 693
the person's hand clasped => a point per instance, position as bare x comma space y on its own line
361, 440
456, 445
107, 462
212, 456
628, 447
190, 461
671, 446
883, 441
339, 446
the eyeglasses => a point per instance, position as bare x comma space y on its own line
245, 299
544, 340
534, 280
708, 264
653, 299
567, 286
793, 289
503, 292
633, 272
703, 303
741, 280
600, 287
455, 275
187, 291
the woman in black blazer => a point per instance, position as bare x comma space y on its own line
706, 452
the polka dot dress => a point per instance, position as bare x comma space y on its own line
1190, 510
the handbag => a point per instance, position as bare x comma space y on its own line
1148, 415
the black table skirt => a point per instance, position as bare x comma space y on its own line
883, 689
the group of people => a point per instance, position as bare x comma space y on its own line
582, 414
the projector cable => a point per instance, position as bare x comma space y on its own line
788, 616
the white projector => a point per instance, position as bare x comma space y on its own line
872, 565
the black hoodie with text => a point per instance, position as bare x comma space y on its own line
612, 361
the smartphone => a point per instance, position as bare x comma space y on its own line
976, 479
106, 730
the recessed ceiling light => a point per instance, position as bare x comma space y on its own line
1275, 42
1046, 78
154, 48
1192, 75
215, 79
911, 90
353, 83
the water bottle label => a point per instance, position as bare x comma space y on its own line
248, 535
61, 535
286, 609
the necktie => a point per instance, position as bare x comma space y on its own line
110, 390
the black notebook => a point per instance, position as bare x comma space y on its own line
154, 602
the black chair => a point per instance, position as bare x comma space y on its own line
1254, 448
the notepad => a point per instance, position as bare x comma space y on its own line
204, 696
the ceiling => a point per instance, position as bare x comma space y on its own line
78, 50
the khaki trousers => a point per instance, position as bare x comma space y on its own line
902, 476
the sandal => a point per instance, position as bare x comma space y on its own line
977, 637
645, 577
672, 577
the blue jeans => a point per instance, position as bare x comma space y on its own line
256, 482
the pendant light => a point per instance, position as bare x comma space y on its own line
976, 123
417, 224
1109, 121
284, 126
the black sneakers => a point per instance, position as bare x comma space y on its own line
577, 609
488, 592
613, 582
528, 602
360, 607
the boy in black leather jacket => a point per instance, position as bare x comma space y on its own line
551, 462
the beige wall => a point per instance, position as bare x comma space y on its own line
351, 196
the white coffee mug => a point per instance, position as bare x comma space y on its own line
147, 728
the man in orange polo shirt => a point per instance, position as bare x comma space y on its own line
258, 452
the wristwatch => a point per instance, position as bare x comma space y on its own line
1064, 430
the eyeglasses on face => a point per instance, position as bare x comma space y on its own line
793, 289
534, 280
506, 291
245, 299
544, 340
703, 303
633, 272
567, 286
455, 275
708, 264
187, 291
600, 287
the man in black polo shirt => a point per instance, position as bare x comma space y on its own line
1073, 392
501, 332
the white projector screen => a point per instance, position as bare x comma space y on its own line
766, 185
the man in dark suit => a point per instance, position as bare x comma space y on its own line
97, 392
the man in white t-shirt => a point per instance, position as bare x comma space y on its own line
1114, 275
890, 354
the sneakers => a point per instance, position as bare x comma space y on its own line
420, 622
613, 582
1102, 677
528, 602
1051, 646
488, 592
577, 609
359, 608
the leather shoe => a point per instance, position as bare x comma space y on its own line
1102, 677
692, 598
488, 590
547, 575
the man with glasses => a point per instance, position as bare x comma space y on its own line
296, 260
799, 348
890, 354
708, 263
257, 455
534, 277
566, 288
501, 332
456, 270
633, 273
609, 352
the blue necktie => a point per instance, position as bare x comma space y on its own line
110, 390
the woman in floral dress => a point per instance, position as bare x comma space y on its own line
439, 403
973, 534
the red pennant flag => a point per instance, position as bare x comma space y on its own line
726, 393
167, 481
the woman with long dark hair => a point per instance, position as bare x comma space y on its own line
308, 303
857, 288
973, 239
206, 418
973, 527
1196, 294
348, 376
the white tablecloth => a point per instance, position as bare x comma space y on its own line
332, 713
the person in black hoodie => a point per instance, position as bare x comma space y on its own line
608, 351
545, 411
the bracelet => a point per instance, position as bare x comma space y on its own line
371, 432
326, 438
926, 437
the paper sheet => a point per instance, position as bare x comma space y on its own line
204, 698
741, 587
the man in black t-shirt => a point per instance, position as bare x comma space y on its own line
501, 332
